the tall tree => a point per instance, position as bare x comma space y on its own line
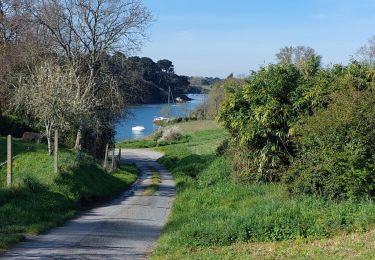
85, 30
295, 55
47, 96
166, 66
21, 45
366, 53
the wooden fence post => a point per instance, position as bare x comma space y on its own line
113, 159
105, 157
56, 152
9, 161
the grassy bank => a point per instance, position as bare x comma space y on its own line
41, 199
215, 217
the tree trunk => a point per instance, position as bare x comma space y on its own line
77, 145
49, 141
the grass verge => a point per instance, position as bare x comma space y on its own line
154, 186
351, 246
40, 199
215, 217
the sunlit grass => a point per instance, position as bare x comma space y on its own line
198, 125
350, 246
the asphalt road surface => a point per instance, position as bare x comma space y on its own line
124, 228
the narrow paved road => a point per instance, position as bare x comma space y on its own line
125, 228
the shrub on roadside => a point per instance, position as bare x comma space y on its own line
336, 149
173, 133
258, 115
315, 124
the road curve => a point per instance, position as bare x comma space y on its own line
125, 228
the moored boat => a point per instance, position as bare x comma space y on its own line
138, 128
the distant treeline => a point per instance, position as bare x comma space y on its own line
198, 84
145, 81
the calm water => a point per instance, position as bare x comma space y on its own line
142, 115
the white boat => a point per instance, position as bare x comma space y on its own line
138, 128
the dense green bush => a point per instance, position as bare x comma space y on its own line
170, 134
313, 123
336, 149
258, 116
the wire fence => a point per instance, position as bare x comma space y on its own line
22, 147
5, 162
111, 162
111, 159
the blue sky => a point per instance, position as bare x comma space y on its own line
217, 37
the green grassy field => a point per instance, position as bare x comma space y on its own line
213, 217
40, 199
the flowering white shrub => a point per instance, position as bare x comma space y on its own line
171, 134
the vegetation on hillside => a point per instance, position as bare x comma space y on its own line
307, 125
202, 84
144, 81
336, 149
